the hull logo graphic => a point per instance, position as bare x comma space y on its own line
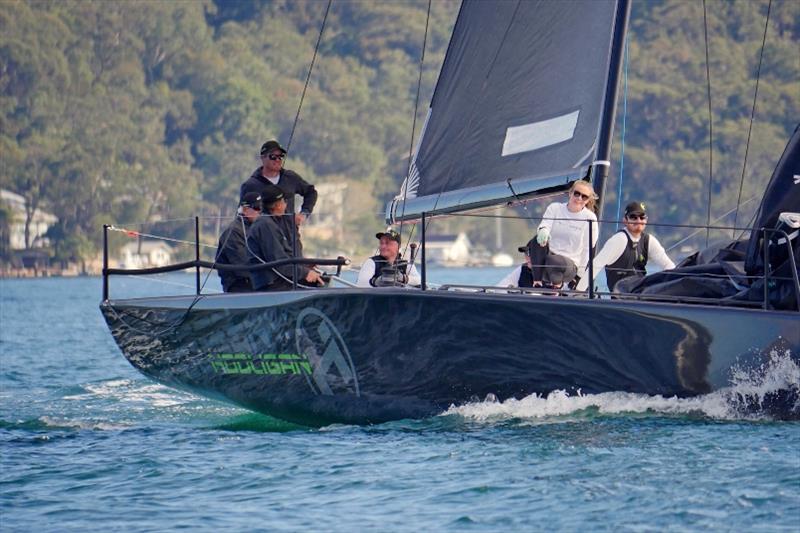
319, 340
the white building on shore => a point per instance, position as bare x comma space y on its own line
147, 254
40, 222
448, 250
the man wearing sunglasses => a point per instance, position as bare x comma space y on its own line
627, 252
271, 172
387, 269
232, 249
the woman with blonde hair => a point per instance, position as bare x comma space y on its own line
560, 248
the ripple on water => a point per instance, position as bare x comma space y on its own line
88, 444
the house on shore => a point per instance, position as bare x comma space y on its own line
145, 254
327, 222
40, 223
448, 250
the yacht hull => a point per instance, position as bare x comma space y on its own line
372, 355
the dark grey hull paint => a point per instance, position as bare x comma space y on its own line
372, 355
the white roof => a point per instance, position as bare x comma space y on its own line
17, 204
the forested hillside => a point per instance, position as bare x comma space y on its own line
141, 111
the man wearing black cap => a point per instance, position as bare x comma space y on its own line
232, 249
387, 268
627, 252
271, 172
267, 242
522, 276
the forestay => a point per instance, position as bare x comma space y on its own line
517, 108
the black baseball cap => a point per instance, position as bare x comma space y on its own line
635, 208
270, 195
527, 248
251, 200
392, 234
269, 146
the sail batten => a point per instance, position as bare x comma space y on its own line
519, 97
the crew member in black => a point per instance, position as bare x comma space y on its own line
271, 172
389, 256
232, 249
267, 242
628, 251
522, 276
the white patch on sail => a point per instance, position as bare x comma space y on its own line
541, 134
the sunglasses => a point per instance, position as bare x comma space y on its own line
637, 217
275, 157
581, 196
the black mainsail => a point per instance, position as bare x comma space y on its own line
520, 105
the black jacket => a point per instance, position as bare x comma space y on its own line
232, 250
290, 183
269, 243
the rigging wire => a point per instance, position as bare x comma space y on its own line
188, 310
624, 122
414, 126
752, 114
134, 233
710, 127
707, 227
162, 221
197, 297
308, 77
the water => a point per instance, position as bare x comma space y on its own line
86, 443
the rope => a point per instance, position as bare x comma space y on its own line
308, 77
710, 127
184, 219
752, 113
414, 125
624, 122
196, 299
134, 233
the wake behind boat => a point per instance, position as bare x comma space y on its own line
357, 355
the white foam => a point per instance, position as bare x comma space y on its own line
94, 425
129, 391
741, 400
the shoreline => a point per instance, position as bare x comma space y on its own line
22, 273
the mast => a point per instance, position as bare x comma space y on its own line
599, 172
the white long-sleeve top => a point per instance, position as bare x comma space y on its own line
368, 270
570, 235
615, 247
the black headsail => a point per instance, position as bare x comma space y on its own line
782, 195
520, 106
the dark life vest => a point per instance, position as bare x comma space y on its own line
631, 262
381, 264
